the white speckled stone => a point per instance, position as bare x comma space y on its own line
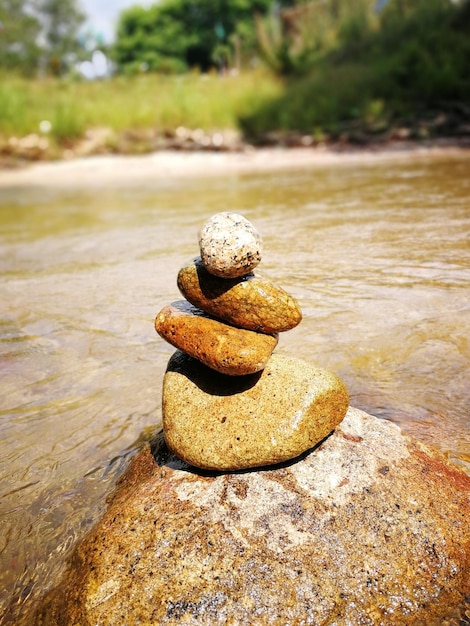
230, 245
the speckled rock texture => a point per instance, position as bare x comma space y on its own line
249, 302
230, 245
266, 418
226, 349
370, 528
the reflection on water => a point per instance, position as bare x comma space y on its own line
378, 257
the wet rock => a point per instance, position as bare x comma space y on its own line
229, 350
370, 527
230, 245
266, 418
249, 302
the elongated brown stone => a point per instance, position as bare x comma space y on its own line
226, 349
249, 302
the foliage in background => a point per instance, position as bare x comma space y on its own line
174, 35
293, 39
39, 35
365, 71
338, 68
61, 21
19, 31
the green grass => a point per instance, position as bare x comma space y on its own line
161, 103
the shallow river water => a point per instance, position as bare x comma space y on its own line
377, 255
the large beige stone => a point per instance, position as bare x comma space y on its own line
249, 302
228, 350
214, 422
370, 528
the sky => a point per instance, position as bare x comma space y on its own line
103, 14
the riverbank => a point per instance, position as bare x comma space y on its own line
118, 169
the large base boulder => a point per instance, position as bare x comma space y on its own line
368, 528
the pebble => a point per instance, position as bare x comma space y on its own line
215, 422
249, 302
230, 245
226, 349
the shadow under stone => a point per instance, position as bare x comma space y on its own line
208, 380
164, 457
213, 286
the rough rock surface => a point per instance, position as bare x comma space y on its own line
370, 528
266, 418
230, 245
249, 302
228, 350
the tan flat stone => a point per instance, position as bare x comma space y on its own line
229, 350
249, 302
215, 422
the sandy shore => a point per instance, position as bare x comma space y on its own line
106, 170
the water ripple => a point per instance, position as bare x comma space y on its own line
377, 256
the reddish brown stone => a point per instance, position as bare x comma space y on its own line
228, 350
249, 302
332, 539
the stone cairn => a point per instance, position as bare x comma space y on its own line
228, 402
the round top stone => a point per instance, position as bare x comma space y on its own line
230, 245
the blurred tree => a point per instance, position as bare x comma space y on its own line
294, 38
39, 33
60, 21
175, 34
19, 31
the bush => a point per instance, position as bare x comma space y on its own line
410, 61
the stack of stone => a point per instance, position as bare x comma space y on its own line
228, 402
